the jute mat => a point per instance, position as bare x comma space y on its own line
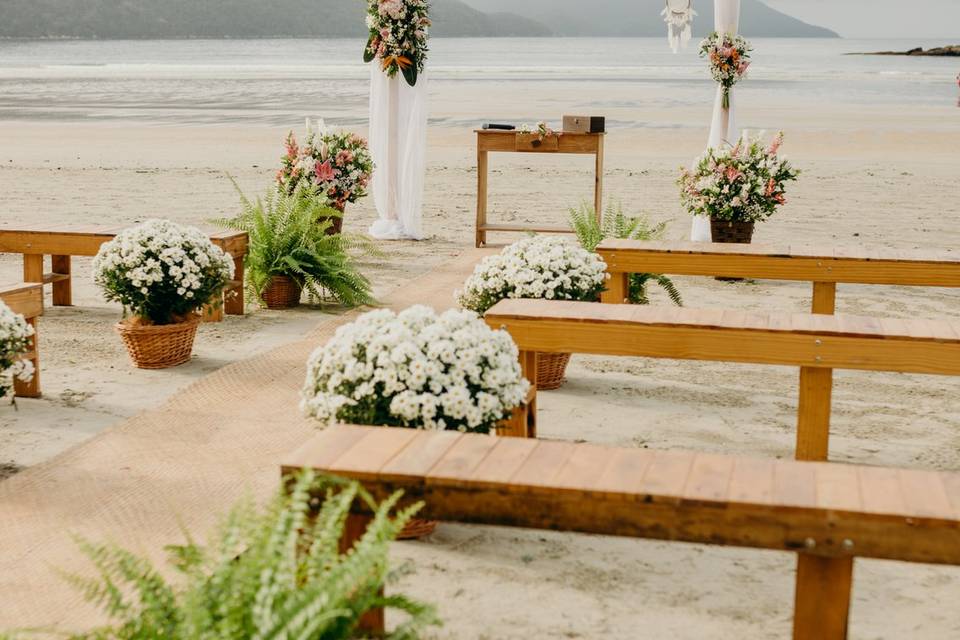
144, 481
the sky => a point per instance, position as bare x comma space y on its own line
879, 18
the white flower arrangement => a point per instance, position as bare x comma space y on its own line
15, 334
161, 271
416, 369
545, 267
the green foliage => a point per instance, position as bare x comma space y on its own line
288, 237
270, 573
616, 224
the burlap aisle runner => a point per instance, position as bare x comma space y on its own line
181, 465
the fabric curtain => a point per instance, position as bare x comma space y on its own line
723, 128
398, 142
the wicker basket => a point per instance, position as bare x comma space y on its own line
731, 232
551, 368
159, 346
283, 292
416, 529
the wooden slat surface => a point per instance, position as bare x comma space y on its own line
837, 342
86, 240
794, 262
25, 299
665, 495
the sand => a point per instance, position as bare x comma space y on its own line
867, 180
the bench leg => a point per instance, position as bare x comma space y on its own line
618, 289
32, 267
522, 423
822, 599
62, 289
373, 622
233, 300
813, 415
824, 298
212, 312
31, 389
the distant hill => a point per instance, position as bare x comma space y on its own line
641, 18
234, 19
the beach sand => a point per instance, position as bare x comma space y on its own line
869, 178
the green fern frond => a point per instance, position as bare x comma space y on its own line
616, 224
288, 237
271, 573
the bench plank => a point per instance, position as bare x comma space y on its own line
833, 342
795, 262
658, 508
26, 299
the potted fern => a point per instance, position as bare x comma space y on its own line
271, 573
291, 250
615, 224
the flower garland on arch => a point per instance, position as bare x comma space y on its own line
729, 57
399, 30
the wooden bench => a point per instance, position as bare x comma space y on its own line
27, 300
823, 267
827, 513
817, 344
61, 243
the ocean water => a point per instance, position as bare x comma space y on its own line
278, 81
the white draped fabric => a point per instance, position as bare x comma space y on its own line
723, 129
398, 142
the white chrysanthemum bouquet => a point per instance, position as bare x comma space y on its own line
161, 272
15, 334
545, 267
416, 369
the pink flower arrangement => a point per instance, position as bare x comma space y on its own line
729, 58
337, 166
398, 33
744, 183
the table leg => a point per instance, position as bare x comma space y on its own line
598, 181
481, 234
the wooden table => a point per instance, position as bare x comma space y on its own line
516, 142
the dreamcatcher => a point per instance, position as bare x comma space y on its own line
678, 15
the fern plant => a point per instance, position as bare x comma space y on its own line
616, 224
271, 573
288, 237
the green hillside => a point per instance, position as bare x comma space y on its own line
232, 19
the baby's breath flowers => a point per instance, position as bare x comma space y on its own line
539, 267
161, 271
15, 335
415, 369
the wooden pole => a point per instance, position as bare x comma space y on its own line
32, 267
31, 389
